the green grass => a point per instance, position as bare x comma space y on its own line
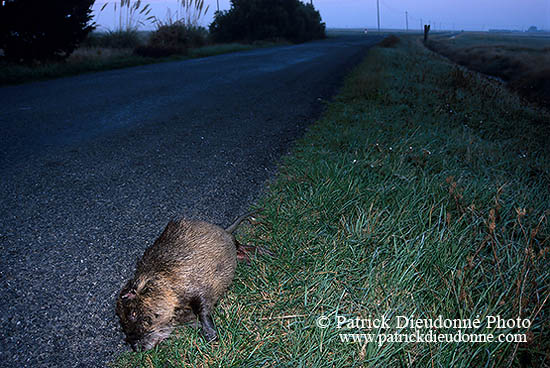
422, 190
93, 59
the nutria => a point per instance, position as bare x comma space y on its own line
180, 277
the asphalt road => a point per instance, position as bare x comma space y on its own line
92, 168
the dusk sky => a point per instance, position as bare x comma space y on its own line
446, 14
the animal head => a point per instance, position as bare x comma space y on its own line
145, 314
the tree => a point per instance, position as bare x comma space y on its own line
251, 20
43, 30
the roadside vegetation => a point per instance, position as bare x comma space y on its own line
52, 34
253, 20
73, 48
423, 190
522, 60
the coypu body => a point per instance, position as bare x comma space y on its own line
179, 278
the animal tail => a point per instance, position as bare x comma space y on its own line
238, 221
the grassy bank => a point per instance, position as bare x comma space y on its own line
521, 59
93, 59
423, 190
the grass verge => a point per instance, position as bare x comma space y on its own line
95, 59
424, 190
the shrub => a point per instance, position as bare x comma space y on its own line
389, 41
41, 30
120, 39
252, 20
174, 38
179, 34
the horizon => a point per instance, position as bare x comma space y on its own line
468, 15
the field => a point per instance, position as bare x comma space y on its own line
521, 59
423, 191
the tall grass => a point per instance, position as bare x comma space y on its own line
130, 15
178, 32
424, 190
188, 13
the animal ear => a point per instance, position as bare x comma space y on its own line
129, 295
128, 291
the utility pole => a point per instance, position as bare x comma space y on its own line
407, 20
218, 3
378, 12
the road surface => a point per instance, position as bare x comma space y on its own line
94, 166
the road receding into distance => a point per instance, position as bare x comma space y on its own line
94, 166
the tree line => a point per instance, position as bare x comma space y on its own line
39, 30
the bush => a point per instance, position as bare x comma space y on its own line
121, 39
41, 30
389, 41
179, 34
252, 20
173, 38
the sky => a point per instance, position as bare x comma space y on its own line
441, 14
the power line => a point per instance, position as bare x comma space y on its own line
407, 15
